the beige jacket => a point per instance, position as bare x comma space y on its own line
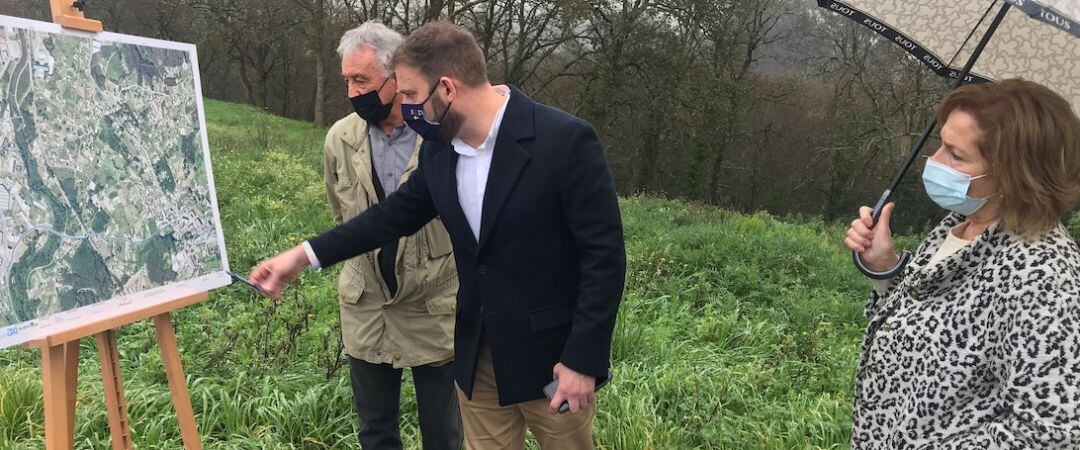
416, 327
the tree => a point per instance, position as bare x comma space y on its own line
258, 33
318, 23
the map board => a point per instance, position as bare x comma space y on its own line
107, 200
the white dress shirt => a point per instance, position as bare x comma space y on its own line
473, 166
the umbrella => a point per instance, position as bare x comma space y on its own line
1039, 42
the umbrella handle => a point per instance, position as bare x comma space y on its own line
905, 256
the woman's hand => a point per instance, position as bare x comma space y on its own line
874, 244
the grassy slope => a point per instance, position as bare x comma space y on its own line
737, 332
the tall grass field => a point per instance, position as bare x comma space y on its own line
736, 331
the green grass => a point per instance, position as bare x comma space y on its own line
736, 332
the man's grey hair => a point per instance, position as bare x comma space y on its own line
384, 40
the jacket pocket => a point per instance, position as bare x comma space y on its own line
550, 317
350, 283
446, 281
441, 306
345, 192
437, 240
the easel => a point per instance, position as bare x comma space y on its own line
65, 13
60, 350
60, 371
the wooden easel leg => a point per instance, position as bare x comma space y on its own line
115, 403
54, 373
170, 356
71, 374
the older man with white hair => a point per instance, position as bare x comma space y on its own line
397, 302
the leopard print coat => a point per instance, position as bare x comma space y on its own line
980, 351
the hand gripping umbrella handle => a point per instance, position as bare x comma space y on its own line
905, 256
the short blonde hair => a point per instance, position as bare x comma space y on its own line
1030, 136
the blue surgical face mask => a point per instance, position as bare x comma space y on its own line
948, 188
413, 113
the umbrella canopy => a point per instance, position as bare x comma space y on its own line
1038, 41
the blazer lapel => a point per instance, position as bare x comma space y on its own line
938, 277
414, 162
449, 158
361, 163
507, 161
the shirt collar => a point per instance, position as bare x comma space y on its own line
467, 150
398, 132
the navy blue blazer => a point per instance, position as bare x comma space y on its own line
543, 283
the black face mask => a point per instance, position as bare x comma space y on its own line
370, 107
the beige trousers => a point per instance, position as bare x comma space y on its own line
490, 426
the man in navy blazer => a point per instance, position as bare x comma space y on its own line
526, 194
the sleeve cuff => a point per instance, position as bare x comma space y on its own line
314, 260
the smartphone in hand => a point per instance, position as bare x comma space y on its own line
258, 289
553, 387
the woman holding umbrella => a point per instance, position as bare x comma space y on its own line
976, 343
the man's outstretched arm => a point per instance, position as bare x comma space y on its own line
403, 213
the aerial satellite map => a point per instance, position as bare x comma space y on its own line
106, 190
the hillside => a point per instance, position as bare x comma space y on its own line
737, 332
